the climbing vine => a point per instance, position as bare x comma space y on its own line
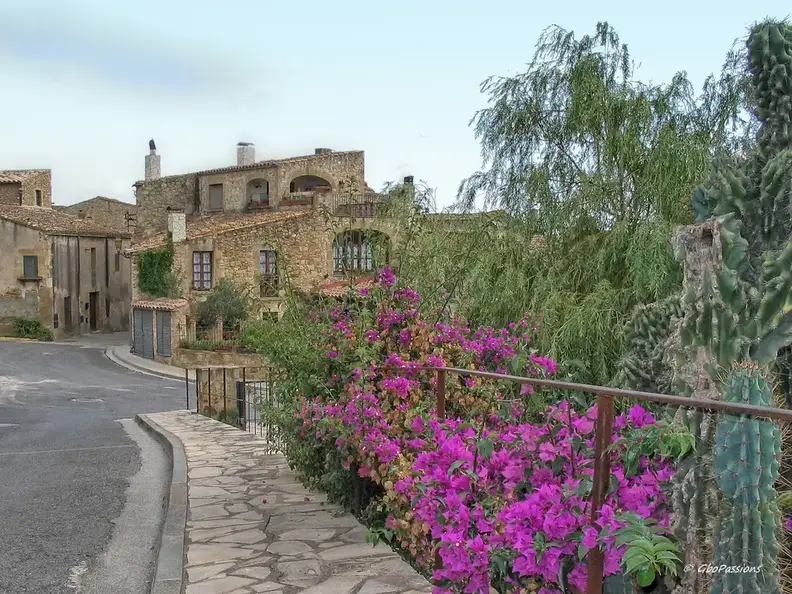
155, 272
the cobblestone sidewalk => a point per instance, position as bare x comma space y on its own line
252, 527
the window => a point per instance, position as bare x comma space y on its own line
67, 312
117, 262
202, 271
268, 270
30, 266
93, 267
356, 251
38, 197
216, 197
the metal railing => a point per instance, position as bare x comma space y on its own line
356, 205
603, 434
254, 395
230, 394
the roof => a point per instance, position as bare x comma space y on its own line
55, 222
163, 304
19, 175
103, 198
221, 224
276, 162
341, 287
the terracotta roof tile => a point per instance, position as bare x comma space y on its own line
163, 304
211, 226
19, 175
275, 162
341, 287
55, 222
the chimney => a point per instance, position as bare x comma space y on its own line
152, 162
322, 151
246, 154
408, 180
177, 224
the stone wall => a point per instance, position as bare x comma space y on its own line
217, 387
235, 188
109, 213
333, 167
23, 298
37, 181
9, 193
154, 197
73, 277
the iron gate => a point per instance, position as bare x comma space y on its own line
164, 333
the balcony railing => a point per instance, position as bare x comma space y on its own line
356, 205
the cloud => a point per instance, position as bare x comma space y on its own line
123, 59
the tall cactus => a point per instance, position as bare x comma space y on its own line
645, 367
739, 312
747, 460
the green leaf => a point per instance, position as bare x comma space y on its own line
637, 562
485, 447
645, 576
582, 551
455, 465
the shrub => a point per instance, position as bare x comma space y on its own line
32, 328
228, 302
155, 272
501, 488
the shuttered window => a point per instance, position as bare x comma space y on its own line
30, 266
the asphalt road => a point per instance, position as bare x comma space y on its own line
81, 485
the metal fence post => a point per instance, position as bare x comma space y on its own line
441, 393
187, 386
599, 491
209, 383
245, 401
225, 395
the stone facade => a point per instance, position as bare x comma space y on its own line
107, 213
154, 197
21, 297
32, 187
78, 282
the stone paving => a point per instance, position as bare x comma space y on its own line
252, 527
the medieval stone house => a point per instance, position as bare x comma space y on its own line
108, 213
66, 272
255, 223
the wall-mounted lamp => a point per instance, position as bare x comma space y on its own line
118, 245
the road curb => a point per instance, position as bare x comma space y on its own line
140, 369
169, 575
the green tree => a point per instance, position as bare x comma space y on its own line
601, 165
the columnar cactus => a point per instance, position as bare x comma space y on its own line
747, 459
738, 313
644, 367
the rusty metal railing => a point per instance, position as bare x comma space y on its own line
603, 432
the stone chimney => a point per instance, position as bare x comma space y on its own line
177, 224
152, 162
322, 151
409, 180
246, 154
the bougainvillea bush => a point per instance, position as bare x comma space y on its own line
498, 490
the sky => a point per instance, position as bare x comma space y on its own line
84, 84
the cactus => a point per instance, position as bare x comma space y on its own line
644, 367
736, 324
747, 459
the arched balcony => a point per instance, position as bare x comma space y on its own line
258, 194
303, 188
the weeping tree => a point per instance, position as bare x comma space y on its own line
578, 152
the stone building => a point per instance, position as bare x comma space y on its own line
108, 213
309, 219
66, 272
30, 187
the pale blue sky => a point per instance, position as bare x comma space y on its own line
84, 84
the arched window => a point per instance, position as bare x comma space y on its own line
359, 252
305, 184
258, 192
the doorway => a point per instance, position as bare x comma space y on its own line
93, 309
